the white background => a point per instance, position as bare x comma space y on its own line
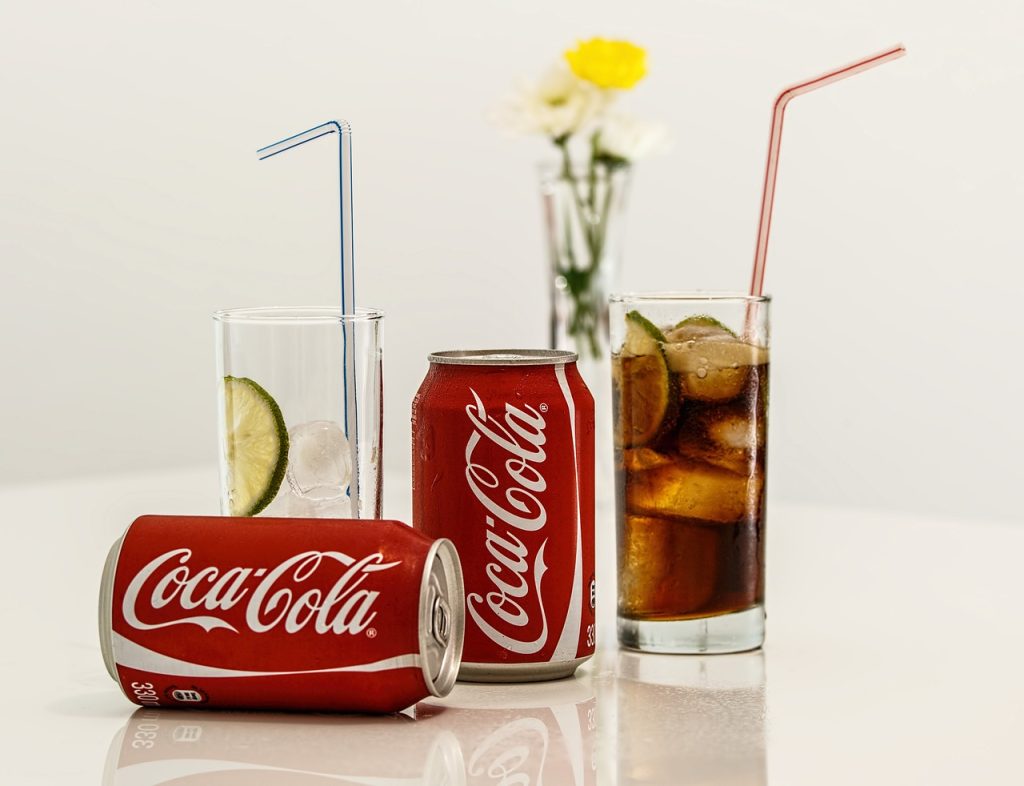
132, 206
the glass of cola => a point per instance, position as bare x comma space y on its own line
690, 400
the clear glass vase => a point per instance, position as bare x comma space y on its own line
584, 217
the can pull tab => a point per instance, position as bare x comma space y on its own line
440, 621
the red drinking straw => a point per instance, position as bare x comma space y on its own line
771, 169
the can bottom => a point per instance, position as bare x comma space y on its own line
519, 672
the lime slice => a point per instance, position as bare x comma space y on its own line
643, 337
257, 446
714, 368
699, 326
646, 406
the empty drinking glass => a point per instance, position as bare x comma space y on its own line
298, 437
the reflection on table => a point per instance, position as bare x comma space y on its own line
522, 734
527, 734
685, 720
633, 719
234, 748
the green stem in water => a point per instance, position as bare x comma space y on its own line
584, 320
585, 215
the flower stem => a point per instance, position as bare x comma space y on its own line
581, 276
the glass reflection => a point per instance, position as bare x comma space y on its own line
480, 734
234, 748
687, 720
665, 719
541, 733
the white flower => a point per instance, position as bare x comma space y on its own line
623, 136
559, 105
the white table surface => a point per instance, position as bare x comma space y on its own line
893, 655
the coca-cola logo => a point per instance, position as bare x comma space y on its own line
510, 497
293, 595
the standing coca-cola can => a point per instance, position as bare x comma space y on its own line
503, 466
295, 614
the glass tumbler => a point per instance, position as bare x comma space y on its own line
690, 401
290, 443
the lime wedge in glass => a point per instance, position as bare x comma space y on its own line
642, 384
697, 327
257, 446
643, 337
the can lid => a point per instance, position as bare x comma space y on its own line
502, 357
106, 608
442, 627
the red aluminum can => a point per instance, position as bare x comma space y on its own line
503, 466
293, 614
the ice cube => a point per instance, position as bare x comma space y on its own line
734, 427
693, 489
667, 567
296, 507
319, 466
728, 436
643, 458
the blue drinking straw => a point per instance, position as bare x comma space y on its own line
348, 276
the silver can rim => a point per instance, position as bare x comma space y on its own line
106, 601
502, 357
442, 556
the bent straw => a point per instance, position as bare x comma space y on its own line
775, 143
348, 276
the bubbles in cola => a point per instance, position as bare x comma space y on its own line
319, 463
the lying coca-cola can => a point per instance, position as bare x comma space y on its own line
503, 465
296, 614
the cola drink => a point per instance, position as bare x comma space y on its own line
296, 614
503, 466
691, 407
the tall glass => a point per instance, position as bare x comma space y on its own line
286, 435
690, 400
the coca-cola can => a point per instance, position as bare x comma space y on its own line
293, 614
503, 466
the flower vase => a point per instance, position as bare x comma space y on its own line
584, 217
584, 213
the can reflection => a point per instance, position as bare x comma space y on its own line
526, 734
234, 748
687, 720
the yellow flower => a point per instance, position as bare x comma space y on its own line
605, 63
